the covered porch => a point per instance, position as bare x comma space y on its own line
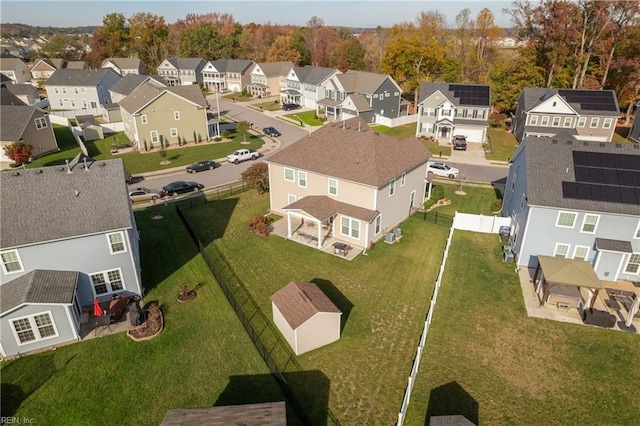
444, 130
290, 96
332, 108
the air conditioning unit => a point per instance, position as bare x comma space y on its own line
397, 232
390, 238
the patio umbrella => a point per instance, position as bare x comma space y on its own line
97, 310
632, 311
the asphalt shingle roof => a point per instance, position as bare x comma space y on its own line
24, 89
124, 63
313, 75
361, 81
342, 151
49, 203
323, 207
275, 68
78, 77
299, 301
232, 65
148, 91
39, 286
614, 245
13, 122
186, 63
129, 83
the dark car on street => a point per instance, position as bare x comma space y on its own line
181, 187
201, 166
290, 107
271, 131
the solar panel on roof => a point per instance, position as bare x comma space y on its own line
598, 193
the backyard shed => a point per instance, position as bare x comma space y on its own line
306, 317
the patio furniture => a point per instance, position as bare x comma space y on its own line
117, 305
611, 303
101, 323
598, 318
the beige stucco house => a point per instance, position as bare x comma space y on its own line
153, 112
268, 78
305, 316
347, 183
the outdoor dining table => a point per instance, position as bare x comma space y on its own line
101, 323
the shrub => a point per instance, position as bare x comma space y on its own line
260, 225
437, 192
429, 203
225, 134
258, 175
217, 139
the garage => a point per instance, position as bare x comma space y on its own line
473, 133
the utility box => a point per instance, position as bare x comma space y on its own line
397, 232
507, 257
505, 233
390, 238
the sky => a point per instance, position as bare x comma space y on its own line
350, 13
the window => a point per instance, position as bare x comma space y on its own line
445, 112
350, 227
41, 123
523, 201
289, 175
116, 242
533, 120
60, 102
56, 91
606, 124
333, 186
34, 328
581, 252
83, 90
590, 223
566, 219
174, 132
561, 250
594, 122
633, 265
73, 102
637, 234
302, 179
143, 119
403, 179
568, 121
291, 198
378, 224
11, 262
75, 90
392, 187
64, 90
556, 121
545, 121
107, 281
412, 199
154, 136
176, 115
582, 121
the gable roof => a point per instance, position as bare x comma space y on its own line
10, 63
583, 101
7, 96
148, 91
342, 151
14, 116
77, 65
39, 286
360, 102
48, 63
69, 77
323, 207
299, 301
56, 202
124, 63
313, 75
232, 65
275, 68
361, 81
130, 82
185, 63
24, 89
458, 94
551, 169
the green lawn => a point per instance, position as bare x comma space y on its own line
486, 359
409, 130
503, 144
269, 106
308, 117
137, 162
238, 97
203, 357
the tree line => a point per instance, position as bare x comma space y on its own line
565, 44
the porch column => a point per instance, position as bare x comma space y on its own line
593, 299
319, 226
288, 224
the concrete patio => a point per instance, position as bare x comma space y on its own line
574, 314
89, 330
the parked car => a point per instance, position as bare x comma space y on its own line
202, 166
289, 107
180, 187
241, 155
143, 194
271, 131
441, 169
460, 143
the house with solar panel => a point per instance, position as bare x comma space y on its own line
577, 113
576, 200
446, 110
634, 132
68, 236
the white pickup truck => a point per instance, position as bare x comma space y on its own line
241, 155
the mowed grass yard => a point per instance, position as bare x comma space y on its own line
409, 130
203, 357
484, 358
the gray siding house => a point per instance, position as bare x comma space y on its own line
125, 66
305, 85
181, 71
129, 83
578, 200
634, 132
69, 89
55, 260
446, 110
581, 114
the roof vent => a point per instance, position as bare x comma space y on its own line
569, 142
61, 169
585, 143
554, 142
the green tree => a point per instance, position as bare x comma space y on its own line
116, 35
19, 151
257, 174
201, 41
243, 127
349, 54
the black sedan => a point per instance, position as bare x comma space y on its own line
180, 187
201, 166
271, 131
290, 107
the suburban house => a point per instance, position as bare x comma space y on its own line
129, 83
305, 316
363, 94
26, 92
181, 71
304, 85
51, 274
268, 78
69, 89
22, 122
125, 66
634, 132
15, 69
580, 114
227, 74
576, 200
154, 112
44, 68
347, 182
446, 110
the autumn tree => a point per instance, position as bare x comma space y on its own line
62, 46
243, 127
373, 43
19, 151
486, 34
624, 76
257, 175
256, 40
463, 46
348, 54
508, 78
116, 35
149, 38
312, 36
284, 49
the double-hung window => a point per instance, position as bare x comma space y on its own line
561, 250
107, 281
392, 187
633, 265
350, 227
176, 115
41, 123
116, 242
581, 252
566, 219
34, 328
302, 179
11, 262
289, 175
590, 223
333, 186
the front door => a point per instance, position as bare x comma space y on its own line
444, 132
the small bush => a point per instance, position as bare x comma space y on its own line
437, 192
217, 139
225, 134
429, 203
260, 225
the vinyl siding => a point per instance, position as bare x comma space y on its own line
321, 329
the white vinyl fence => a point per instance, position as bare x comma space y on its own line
462, 221
75, 131
395, 122
74, 113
